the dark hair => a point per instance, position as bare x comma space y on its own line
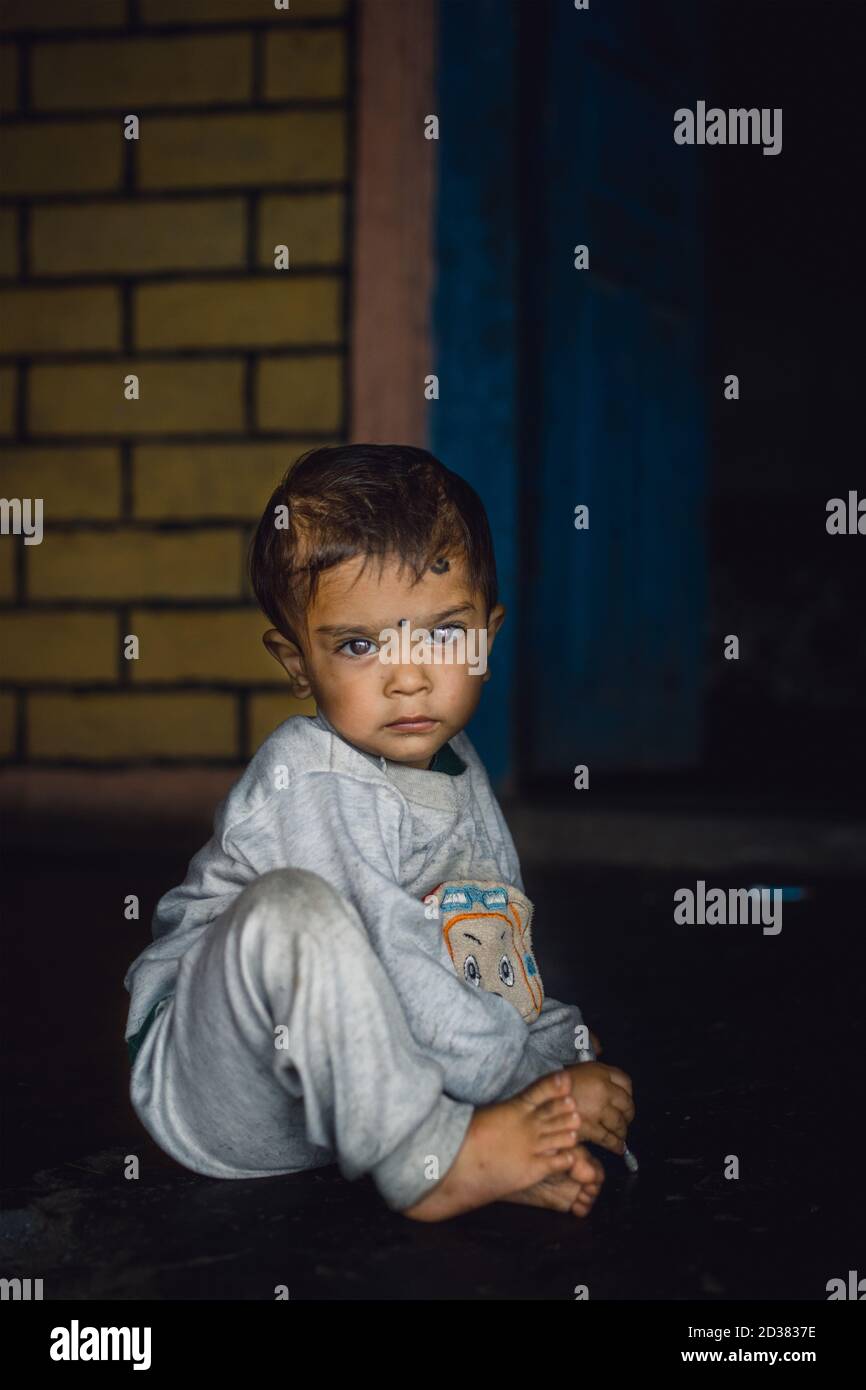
376, 500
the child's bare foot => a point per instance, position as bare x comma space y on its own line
574, 1191
508, 1147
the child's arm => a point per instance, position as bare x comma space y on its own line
553, 1032
348, 831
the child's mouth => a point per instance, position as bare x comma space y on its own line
413, 725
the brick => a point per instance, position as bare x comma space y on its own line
300, 393
60, 320
169, 234
209, 480
63, 647
8, 77
81, 157
75, 484
8, 241
305, 63
204, 646
136, 564
63, 14
133, 74
8, 550
246, 150
210, 11
8, 390
187, 397
8, 723
243, 313
121, 726
311, 225
267, 712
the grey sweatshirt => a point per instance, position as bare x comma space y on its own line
384, 835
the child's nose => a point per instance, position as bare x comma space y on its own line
407, 679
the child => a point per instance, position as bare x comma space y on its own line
300, 1003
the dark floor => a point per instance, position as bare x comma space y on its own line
737, 1043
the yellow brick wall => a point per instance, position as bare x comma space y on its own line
155, 258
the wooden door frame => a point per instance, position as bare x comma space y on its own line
392, 235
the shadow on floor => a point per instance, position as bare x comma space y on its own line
737, 1043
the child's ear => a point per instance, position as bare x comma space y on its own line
494, 623
291, 658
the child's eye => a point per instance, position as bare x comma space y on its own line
450, 627
354, 643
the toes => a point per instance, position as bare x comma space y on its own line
557, 1109
563, 1138
585, 1169
560, 1162
546, 1088
546, 1164
565, 1178
584, 1204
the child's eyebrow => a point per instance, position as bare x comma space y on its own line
330, 630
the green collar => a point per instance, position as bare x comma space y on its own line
446, 760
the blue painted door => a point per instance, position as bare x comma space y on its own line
474, 424
614, 613
560, 126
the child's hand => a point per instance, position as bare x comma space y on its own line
596, 1043
603, 1096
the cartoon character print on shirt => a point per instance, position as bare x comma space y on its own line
487, 927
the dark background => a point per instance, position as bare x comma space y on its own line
782, 233
737, 1043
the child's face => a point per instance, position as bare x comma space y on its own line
364, 695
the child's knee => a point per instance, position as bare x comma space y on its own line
291, 902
